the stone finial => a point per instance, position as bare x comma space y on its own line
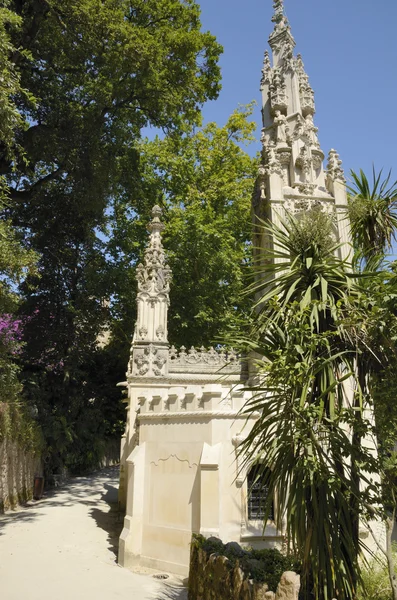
156, 224
279, 15
334, 167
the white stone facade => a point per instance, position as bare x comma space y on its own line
179, 473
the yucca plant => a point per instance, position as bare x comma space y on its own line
372, 211
310, 393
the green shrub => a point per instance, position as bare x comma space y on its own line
263, 566
376, 584
273, 565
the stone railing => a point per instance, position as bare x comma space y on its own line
228, 572
202, 360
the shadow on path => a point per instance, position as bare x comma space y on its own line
79, 490
17, 515
109, 517
172, 593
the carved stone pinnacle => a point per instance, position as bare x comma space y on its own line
156, 224
279, 15
157, 211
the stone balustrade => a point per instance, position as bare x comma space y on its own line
201, 360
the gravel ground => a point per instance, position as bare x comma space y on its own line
64, 547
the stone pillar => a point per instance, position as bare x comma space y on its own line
209, 490
130, 547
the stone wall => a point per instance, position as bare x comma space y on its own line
214, 576
17, 471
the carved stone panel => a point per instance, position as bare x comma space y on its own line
149, 361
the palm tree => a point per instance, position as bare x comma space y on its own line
372, 212
308, 438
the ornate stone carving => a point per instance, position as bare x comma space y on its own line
300, 130
271, 161
300, 204
284, 157
288, 54
334, 167
300, 70
262, 181
279, 16
142, 362
304, 161
266, 69
153, 278
202, 356
142, 332
307, 189
281, 127
149, 361
160, 332
278, 92
317, 159
311, 131
306, 91
153, 275
158, 362
307, 100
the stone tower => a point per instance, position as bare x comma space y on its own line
291, 176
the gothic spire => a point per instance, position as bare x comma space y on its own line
292, 171
291, 149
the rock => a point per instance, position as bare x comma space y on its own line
260, 591
234, 549
253, 564
289, 586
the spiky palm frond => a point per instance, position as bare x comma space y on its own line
309, 399
372, 211
313, 275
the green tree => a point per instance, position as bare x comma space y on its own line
204, 182
16, 260
92, 75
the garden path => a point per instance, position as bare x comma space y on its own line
65, 545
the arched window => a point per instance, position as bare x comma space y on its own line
258, 492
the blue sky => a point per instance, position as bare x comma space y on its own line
349, 49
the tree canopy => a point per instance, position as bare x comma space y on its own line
80, 81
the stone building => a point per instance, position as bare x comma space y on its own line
179, 469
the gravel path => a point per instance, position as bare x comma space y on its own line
64, 547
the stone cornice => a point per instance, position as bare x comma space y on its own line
196, 415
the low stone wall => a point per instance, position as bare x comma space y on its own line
17, 471
214, 576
